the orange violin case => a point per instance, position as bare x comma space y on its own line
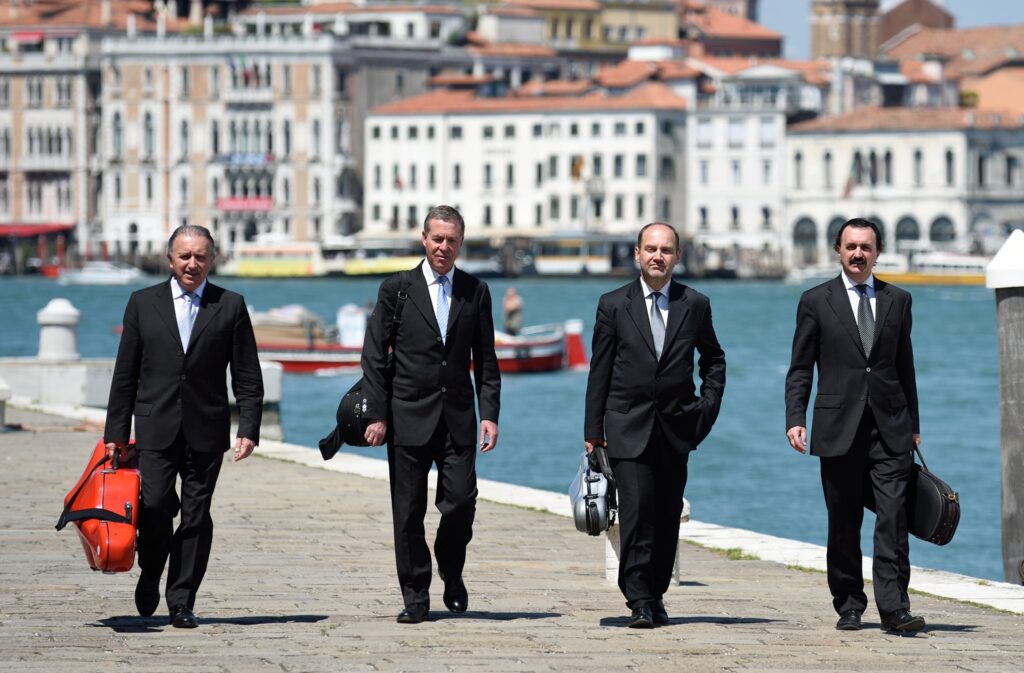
104, 506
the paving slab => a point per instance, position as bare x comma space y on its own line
302, 579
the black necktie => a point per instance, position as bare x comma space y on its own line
865, 319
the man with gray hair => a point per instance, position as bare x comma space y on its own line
421, 400
179, 337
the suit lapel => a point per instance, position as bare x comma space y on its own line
839, 302
636, 307
678, 308
165, 309
208, 307
420, 297
459, 284
883, 303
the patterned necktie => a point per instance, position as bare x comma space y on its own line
186, 318
865, 319
657, 324
442, 307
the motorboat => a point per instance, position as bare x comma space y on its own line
300, 341
101, 273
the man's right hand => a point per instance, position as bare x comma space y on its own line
797, 436
375, 433
114, 446
589, 444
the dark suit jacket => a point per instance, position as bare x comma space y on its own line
167, 389
431, 378
826, 336
629, 389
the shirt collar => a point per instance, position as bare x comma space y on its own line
431, 276
850, 285
648, 289
177, 290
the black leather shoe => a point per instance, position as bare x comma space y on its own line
849, 621
641, 619
659, 613
902, 621
456, 598
413, 614
182, 618
147, 594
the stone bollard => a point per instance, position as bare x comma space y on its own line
612, 550
58, 331
5, 394
1005, 274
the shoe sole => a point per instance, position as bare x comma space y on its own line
910, 627
849, 627
641, 624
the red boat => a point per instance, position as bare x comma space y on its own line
298, 340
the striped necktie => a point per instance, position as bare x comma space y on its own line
442, 307
186, 318
865, 319
657, 324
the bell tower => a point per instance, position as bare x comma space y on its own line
844, 28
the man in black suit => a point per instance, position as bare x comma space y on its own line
856, 329
425, 399
642, 405
179, 339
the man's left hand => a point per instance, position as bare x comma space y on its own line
243, 448
917, 440
488, 435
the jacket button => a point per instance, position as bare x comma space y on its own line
182, 377
444, 363
867, 369
438, 339
443, 389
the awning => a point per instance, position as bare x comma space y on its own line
27, 230
27, 37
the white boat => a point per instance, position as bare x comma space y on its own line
101, 273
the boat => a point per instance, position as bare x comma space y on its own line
351, 256
574, 254
291, 259
932, 268
101, 273
299, 340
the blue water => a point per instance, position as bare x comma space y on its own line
744, 475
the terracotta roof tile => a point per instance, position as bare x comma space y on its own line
650, 96
460, 79
714, 22
558, 87
626, 74
82, 14
816, 72
331, 8
969, 51
503, 10
578, 5
911, 119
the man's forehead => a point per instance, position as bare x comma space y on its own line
190, 244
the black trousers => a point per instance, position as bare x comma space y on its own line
650, 492
188, 547
869, 464
408, 467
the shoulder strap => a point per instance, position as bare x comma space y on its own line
396, 319
65, 515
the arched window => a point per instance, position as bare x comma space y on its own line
118, 135
833, 229
148, 135
805, 242
950, 175
942, 231
907, 229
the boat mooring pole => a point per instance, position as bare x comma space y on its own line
1005, 274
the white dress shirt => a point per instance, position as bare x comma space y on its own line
662, 300
182, 308
431, 277
854, 294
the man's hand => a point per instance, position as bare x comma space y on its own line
591, 444
797, 436
917, 440
488, 435
114, 446
375, 432
243, 448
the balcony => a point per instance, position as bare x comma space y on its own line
247, 159
263, 94
46, 162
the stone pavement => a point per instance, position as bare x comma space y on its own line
302, 579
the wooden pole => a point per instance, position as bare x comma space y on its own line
1005, 274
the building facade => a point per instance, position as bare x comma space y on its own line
942, 179
842, 28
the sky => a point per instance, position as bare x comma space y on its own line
790, 17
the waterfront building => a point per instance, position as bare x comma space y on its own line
844, 28
49, 116
726, 29
535, 162
944, 179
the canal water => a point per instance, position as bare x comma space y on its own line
744, 475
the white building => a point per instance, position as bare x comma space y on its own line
945, 179
528, 165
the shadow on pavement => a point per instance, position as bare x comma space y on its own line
697, 619
493, 616
134, 624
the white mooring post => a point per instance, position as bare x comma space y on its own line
1005, 274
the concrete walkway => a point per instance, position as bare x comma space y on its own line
302, 579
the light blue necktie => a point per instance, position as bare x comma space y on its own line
657, 325
186, 319
442, 307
